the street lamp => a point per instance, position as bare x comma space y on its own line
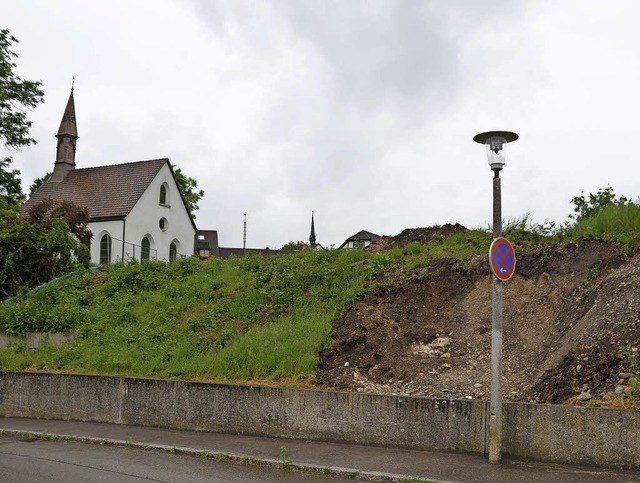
495, 142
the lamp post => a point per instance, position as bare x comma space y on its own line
495, 142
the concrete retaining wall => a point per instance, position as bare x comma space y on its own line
35, 340
574, 435
534, 432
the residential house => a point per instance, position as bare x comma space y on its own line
360, 240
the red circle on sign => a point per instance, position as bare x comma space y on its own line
502, 258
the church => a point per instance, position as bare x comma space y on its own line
136, 210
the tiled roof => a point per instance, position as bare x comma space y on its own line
362, 235
107, 191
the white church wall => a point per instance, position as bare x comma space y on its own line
114, 230
144, 220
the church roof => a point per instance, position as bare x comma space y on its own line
108, 192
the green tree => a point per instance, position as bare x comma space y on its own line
16, 95
52, 241
292, 246
37, 183
594, 203
11, 196
189, 189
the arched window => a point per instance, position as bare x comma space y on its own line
146, 248
105, 249
163, 194
173, 252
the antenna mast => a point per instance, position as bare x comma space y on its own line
244, 233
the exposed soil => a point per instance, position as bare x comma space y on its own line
571, 327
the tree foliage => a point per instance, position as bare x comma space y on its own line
38, 182
292, 246
52, 241
11, 196
16, 95
587, 206
189, 189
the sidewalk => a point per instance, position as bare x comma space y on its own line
366, 462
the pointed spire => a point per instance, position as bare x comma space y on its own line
67, 137
68, 124
312, 236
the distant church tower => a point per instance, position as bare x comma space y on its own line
67, 137
312, 236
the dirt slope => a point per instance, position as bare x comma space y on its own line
572, 313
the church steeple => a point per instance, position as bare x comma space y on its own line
67, 137
312, 236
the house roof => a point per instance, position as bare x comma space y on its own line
361, 235
108, 192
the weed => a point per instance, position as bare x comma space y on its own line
102, 442
203, 454
286, 461
145, 447
632, 357
129, 442
412, 480
221, 457
46, 435
250, 461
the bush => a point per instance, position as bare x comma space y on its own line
51, 243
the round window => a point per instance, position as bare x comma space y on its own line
163, 224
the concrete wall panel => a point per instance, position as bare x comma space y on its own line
58, 396
574, 435
540, 432
456, 426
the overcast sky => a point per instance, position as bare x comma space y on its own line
361, 111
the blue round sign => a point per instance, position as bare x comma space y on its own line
502, 258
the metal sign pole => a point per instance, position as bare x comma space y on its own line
495, 421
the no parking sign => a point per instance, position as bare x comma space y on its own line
502, 258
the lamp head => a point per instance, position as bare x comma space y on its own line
495, 142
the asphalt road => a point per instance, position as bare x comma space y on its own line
36, 461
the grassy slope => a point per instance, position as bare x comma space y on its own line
255, 317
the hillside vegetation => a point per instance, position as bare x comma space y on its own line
354, 318
250, 317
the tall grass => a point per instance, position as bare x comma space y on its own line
619, 223
460, 245
250, 317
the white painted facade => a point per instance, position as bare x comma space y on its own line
144, 221
357, 244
